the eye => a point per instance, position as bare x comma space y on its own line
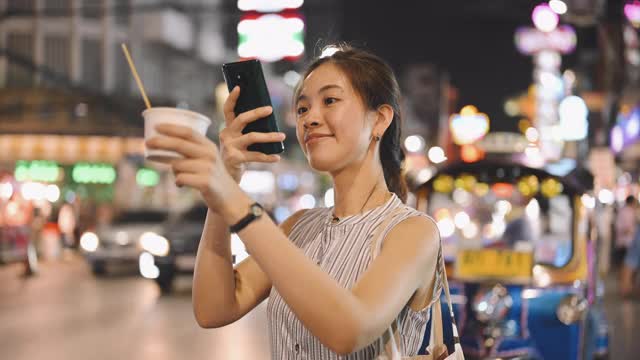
301, 110
330, 100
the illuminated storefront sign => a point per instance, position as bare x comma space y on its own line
87, 173
573, 118
147, 177
39, 170
68, 149
627, 129
271, 37
469, 126
268, 5
530, 40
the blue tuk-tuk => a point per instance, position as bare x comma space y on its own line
519, 246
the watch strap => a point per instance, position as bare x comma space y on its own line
247, 219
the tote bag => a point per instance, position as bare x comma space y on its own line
437, 349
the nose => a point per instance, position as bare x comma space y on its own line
308, 124
311, 120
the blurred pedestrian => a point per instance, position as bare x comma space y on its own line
36, 225
67, 224
630, 266
327, 297
626, 222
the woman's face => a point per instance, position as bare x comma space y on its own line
333, 126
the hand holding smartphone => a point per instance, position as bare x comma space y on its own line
249, 77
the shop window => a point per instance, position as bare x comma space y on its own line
20, 7
56, 57
121, 72
56, 7
92, 63
92, 9
20, 51
122, 11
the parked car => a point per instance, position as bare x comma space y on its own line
16, 247
519, 252
19, 235
121, 241
174, 252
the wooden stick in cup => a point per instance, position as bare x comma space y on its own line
135, 75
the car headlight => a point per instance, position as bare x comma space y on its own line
89, 241
155, 244
571, 309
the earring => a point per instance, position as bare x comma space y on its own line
376, 137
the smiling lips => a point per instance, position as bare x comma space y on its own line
309, 137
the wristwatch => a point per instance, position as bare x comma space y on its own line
255, 211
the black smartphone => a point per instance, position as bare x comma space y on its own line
253, 94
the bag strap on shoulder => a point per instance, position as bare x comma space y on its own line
437, 339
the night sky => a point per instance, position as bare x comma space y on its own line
471, 39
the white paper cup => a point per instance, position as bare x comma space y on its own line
168, 115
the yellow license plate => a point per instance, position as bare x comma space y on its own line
494, 263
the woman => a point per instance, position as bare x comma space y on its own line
327, 297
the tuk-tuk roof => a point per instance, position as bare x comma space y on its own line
576, 182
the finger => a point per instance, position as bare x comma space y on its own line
181, 131
230, 105
257, 137
250, 116
255, 156
187, 148
197, 182
191, 166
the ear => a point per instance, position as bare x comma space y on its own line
384, 116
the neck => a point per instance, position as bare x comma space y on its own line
359, 190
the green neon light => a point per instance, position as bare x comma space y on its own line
147, 177
38, 170
86, 173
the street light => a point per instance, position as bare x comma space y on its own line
414, 143
436, 155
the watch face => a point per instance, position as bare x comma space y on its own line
256, 210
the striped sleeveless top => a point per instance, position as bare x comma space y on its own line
343, 250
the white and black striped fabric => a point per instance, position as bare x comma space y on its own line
343, 250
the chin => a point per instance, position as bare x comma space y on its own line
323, 163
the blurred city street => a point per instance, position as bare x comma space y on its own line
513, 124
67, 313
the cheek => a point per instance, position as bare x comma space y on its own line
300, 135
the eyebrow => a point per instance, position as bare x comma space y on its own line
324, 88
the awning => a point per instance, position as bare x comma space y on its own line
68, 149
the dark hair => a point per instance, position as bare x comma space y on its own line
373, 80
630, 200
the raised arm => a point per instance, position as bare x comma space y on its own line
342, 319
223, 294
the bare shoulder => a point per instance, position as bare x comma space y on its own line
415, 233
288, 224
